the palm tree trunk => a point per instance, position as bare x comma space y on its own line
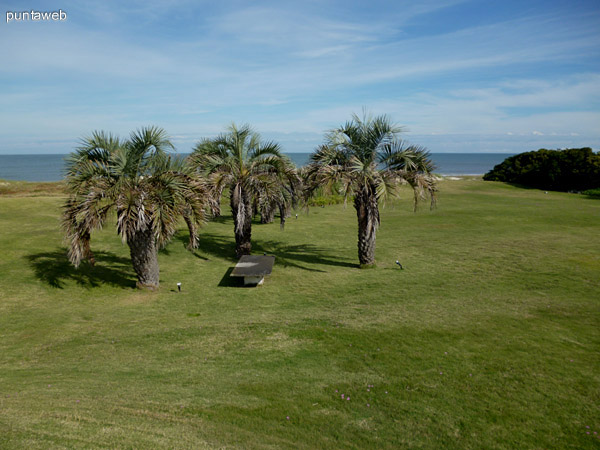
267, 213
87, 251
241, 208
193, 229
283, 214
216, 210
144, 256
367, 212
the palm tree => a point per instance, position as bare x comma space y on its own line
253, 171
366, 160
148, 189
283, 198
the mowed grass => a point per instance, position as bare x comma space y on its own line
489, 337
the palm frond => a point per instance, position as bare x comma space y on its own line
365, 156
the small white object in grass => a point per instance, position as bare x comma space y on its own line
179, 287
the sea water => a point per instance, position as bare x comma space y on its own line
51, 167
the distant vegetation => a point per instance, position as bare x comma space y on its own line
326, 199
31, 189
594, 193
573, 169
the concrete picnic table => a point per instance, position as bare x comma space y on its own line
253, 268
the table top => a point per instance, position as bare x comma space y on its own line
253, 266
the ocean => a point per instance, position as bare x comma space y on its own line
51, 167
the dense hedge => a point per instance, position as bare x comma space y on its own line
593, 193
572, 169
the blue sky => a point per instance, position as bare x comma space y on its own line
461, 76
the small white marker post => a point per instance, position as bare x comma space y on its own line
179, 287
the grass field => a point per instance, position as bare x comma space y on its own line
489, 337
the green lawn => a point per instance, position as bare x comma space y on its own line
489, 337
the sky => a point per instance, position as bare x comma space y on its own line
459, 76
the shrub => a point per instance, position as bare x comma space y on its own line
323, 200
571, 169
593, 193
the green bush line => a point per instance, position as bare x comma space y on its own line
593, 193
573, 169
324, 200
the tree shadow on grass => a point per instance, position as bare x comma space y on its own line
209, 244
301, 256
55, 269
222, 219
